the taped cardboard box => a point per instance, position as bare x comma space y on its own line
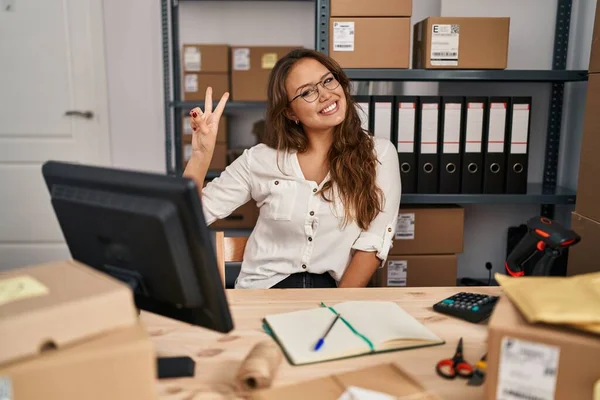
205, 58
418, 271
218, 161
222, 132
195, 85
69, 332
461, 43
372, 8
584, 256
429, 230
537, 360
370, 42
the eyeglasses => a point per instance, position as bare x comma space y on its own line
311, 92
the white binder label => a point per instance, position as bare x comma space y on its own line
191, 83
396, 275
343, 36
363, 114
429, 129
497, 128
406, 127
383, 120
192, 59
474, 127
405, 226
241, 59
527, 370
444, 44
452, 115
520, 127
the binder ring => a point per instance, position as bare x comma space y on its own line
428, 168
472, 168
518, 168
495, 168
451, 168
405, 167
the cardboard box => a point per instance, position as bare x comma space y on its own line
538, 360
205, 58
429, 230
584, 256
222, 133
595, 48
588, 190
418, 271
372, 8
195, 85
388, 379
57, 304
250, 70
370, 42
461, 43
219, 158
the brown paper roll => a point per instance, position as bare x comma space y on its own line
260, 366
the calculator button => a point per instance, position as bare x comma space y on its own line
476, 308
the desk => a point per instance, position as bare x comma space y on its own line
218, 356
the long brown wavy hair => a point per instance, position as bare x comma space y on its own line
352, 159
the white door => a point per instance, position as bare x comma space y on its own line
51, 65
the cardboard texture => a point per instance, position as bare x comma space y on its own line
75, 302
120, 365
584, 256
461, 43
537, 360
594, 65
372, 8
195, 85
385, 378
250, 70
222, 133
429, 230
205, 58
418, 271
588, 190
219, 158
370, 42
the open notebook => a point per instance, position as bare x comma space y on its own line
364, 327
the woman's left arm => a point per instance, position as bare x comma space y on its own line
372, 246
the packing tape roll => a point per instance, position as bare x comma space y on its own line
260, 366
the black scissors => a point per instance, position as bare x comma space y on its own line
449, 368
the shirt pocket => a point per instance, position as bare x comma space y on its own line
283, 199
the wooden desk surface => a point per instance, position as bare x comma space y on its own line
218, 356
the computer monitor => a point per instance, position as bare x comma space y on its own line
147, 230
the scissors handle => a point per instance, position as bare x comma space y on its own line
449, 369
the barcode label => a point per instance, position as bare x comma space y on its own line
444, 44
444, 54
343, 36
405, 226
397, 282
396, 274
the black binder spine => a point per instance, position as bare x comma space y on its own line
494, 174
428, 145
472, 144
406, 114
451, 122
518, 145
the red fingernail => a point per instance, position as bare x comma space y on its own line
194, 114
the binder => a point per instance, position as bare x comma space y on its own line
383, 116
406, 134
451, 113
472, 144
494, 174
518, 145
427, 145
363, 107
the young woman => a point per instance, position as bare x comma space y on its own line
328, 192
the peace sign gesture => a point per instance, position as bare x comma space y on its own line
205, 124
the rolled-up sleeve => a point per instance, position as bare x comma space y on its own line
232, 189
378, 238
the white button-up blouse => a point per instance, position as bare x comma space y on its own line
297, 230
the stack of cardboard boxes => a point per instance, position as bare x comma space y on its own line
425, 248
584, 256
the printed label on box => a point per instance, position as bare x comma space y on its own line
20, 287
268, 60
192, 59
241, 59
190, 83
444, 44
343, 36
527, 370
187, 152
6, 392
396, 273
405, 226
187, 129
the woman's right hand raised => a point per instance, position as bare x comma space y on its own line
205, 124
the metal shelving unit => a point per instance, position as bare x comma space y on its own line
547, 194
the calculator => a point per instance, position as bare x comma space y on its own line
472, 307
